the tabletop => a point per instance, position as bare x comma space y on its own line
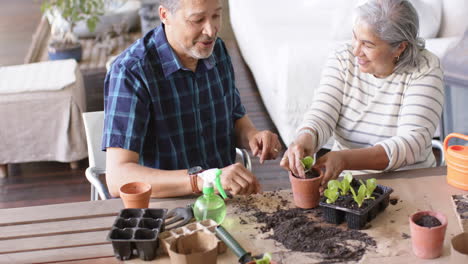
76, 232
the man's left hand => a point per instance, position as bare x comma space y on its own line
265, 145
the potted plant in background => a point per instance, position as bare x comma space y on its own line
63, 16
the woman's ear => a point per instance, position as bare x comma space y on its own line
401, 48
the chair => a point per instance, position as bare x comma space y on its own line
94, 123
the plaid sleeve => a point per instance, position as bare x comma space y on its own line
126, 107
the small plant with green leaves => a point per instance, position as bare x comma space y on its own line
72, 11
370, 184
307, 163
332, 191
360, 196
345, 183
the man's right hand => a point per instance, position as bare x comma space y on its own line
239, 180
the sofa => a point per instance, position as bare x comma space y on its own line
286, 45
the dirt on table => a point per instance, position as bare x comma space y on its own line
306, 231
428, 221
462, 205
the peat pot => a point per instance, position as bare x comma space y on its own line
459, 249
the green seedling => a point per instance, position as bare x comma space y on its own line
345, 184
332, 191
307, 163
361, 195
371, 184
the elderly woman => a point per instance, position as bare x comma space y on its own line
381, 98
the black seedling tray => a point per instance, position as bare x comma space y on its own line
357, 218
137, 229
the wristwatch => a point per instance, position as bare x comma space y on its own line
193, 173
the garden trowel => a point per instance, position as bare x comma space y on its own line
244, 256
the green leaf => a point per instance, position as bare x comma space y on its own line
74, 11
345, 183
359, 198
307, 162
331, 194
348, 177
333, 184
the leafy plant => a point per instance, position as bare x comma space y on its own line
361, 195
370, 184
72, 11
307, 163
332, 191
345, 183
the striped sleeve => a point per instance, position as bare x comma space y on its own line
323, 114
418, 119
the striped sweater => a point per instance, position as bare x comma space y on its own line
400, 112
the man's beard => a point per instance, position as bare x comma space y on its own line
195, 53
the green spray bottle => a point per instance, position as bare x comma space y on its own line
210, 205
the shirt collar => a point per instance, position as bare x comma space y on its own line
170, 61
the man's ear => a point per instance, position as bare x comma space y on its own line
164, 14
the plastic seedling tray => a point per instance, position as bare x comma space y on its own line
357, 218
137, 229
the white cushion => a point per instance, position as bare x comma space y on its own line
454, 18
41, 76
429, 12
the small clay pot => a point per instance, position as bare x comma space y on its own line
427, 242
306, 191
459, 249
135, 194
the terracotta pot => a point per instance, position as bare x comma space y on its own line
306, 191
135, 194
427, 242
459, 249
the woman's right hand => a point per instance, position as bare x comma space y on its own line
300, 148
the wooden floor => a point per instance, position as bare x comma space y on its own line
52, 182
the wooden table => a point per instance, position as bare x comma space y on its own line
76, 232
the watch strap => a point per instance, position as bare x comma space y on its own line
194, 183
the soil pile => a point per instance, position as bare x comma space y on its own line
304, 230
461, 202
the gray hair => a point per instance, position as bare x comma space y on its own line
171, 5
394, 21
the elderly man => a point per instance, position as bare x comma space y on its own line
172, 108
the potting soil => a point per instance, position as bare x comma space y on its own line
305, 231
428, 221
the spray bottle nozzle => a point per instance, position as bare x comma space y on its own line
212, 176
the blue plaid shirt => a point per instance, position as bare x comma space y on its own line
173, 117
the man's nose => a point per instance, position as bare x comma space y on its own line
210, 29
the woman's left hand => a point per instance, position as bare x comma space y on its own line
333, 163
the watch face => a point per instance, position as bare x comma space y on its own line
195, 170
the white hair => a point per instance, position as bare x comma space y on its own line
171, 5
394, 21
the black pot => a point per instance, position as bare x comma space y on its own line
63, 53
